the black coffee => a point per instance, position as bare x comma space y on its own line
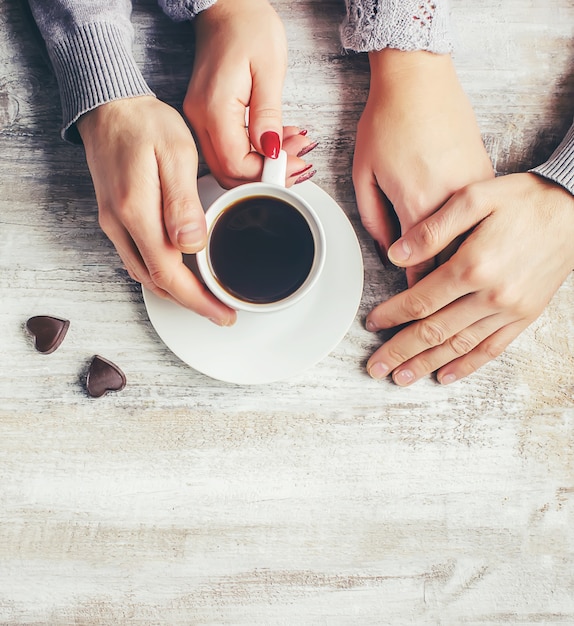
261, 249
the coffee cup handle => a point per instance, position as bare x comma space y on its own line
275, 170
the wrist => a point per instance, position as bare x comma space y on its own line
224, 9
391, 65
86, 76
562, 194
560, 166
558, 203
104, 114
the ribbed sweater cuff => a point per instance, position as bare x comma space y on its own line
560, 165
93, 66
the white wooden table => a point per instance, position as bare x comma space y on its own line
329, 498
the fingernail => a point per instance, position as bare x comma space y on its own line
305, 169
382, 253
447, 379
190, 235
227, 321
270, 144
400, 251
371, 326
303, 132
404, 377
305, 177
378, 370
308, 149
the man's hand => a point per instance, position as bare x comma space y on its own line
143, 163
517, 254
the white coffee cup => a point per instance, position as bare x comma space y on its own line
265, 244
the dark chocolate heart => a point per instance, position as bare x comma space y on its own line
48, 331
104, 376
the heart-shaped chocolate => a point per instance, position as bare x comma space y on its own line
104, 376
48, 332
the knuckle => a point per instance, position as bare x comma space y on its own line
148, 283
430, 233
181, 150
431, 333
466, 367
160, 278
230, 170
505, 298
471, 197
418, 199
106, 221
461, 344
416, 305
477, 274
180, 206
425, 364
131, 269
128, 213
396, 355
493, 348
133, 275
268, 113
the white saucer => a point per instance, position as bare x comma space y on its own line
266, 347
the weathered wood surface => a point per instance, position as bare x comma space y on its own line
326, 499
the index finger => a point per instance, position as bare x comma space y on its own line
430, 237
435, 291
168, 272
164, 262
228, 151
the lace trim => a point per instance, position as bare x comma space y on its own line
425, 14
402, 24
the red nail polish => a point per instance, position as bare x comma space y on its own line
303, 132
270, 144
305, 169
308, 148
305, 176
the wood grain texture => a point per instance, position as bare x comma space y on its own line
325, 499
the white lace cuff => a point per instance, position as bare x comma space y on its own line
403, 24
181, 10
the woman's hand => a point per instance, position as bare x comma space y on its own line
417, 143
233, 101
143, 163
517, 254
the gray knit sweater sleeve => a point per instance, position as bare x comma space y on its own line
90, 46
560, 165
403, 24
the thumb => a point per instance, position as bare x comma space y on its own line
183, 214
265, 124
441, 232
